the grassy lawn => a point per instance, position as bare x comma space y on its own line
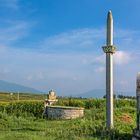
22, 120
91, 127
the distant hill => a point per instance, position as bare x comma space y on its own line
12, 87
99, 93
95, 93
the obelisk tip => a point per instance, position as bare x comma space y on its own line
109, 14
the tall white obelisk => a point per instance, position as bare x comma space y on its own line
109, 49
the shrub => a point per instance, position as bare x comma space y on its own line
34, 108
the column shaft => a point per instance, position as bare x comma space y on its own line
109, 90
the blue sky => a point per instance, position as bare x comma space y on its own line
56, 44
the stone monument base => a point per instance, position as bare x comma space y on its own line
63, 112
136, 134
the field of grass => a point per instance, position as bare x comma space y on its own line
23, 120
7, 97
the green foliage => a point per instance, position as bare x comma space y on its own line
95, 103
34, 108
124, 103
71, 102
125, 97
23, 120
7, 97
90, 127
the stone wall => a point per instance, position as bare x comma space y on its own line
59, 112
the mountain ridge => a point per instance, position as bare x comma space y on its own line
6, 86
99, 93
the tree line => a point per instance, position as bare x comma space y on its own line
120, 96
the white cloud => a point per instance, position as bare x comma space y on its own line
37, 76
100, 69
89, 40
122, 57
100, 59
29, 77
77, 40
70, 68
123, 83
13, 4
13, 32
